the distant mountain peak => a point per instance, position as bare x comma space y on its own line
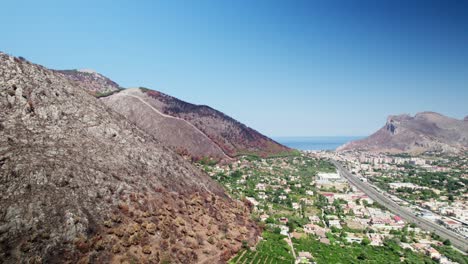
428, 113
425, 131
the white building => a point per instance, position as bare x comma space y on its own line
335, 223
326, 176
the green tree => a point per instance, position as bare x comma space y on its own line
343, 234
450, 198
365, 241
245, 244
447, 242
365, 203
404, 239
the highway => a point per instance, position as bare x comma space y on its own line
457, 240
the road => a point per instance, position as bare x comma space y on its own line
127, 93
457, 241
292, 246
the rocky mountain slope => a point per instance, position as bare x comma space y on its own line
175, 132
426, 131
80, 184
97, 84
196, 130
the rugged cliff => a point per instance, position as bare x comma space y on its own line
426, 131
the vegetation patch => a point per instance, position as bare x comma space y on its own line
272, 249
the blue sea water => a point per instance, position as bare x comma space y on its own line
315, 143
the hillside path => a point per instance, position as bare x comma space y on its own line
177, 118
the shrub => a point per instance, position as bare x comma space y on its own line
146, 250
151, 228
365, 241
211, 240
245, 244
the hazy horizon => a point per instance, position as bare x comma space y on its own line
312, 137
283, 68
316, 142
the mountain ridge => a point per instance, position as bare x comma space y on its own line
80, 183
228, 137
94, 82
175, 132
425, 131
245, 140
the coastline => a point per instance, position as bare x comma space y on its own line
316, 142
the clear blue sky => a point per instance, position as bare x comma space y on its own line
285, 68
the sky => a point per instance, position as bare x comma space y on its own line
284, 68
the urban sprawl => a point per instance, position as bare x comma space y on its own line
310, 213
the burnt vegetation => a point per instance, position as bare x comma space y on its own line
79, 183
232, 136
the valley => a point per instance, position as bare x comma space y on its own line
234, 132
311, 214
112, 175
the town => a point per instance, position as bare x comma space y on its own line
433, 186
311, 214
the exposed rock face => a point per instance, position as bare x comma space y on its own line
94, 82
196, 130
79, 183
426, 131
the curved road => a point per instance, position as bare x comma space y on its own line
457, 241
127, 93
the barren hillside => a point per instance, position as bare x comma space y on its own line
196, 130
175, 132
97, 84
79, 183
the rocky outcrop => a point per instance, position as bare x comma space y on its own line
80, 184
426, 131
97, 84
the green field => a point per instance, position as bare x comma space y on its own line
272, 249
391, 252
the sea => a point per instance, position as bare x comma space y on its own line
316, 142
